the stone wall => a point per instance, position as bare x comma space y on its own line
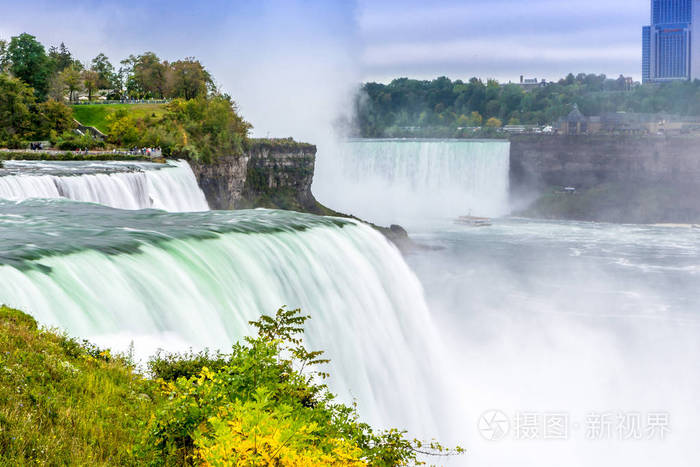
629, 179
584, 161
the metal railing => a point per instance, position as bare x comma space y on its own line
123, 101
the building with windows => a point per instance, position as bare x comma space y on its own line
670, 47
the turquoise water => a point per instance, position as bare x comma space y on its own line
175, 281
522, 317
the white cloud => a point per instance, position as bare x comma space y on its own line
459, 51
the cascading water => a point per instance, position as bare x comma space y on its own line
414, 181
116, 184
196, 279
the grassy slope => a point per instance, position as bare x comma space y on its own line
62, 401
96, 114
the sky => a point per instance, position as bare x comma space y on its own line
303, 57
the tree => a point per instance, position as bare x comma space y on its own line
60, 58
90, 80
122, 128
29, 62
57, 88
475, 119
71, 80
4, 59
53, 117
106, 78
189, 79
493, 122
16, 102
125, 74
208, 126
149, 76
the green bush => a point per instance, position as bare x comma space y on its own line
70, 141
63, 402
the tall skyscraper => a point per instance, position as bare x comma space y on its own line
670, 48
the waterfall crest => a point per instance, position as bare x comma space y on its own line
118, 185
410, 181
196, 279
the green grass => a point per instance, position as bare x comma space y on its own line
96, 114
65, 403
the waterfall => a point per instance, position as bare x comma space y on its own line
411, 181
196, 279
119, 185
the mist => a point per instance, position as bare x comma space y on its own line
579, 319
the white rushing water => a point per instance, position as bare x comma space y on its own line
414, 181
180, 280
596, 326
115, 184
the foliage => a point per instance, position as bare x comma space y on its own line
65, 403
200, 123
170, 367
16, 103
91, 80
70, 141
70, 79
205, 128
148, 76
494, 122
267, 405
106, 77
188, 79
4, 59
97, 114
61, 58
68, 403
408, 107
121, 129
29, 62
279, 144
22, 119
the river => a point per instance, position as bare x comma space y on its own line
528, 342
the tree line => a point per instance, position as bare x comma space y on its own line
57, 74
442, 107
200, 122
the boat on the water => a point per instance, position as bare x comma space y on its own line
472, 221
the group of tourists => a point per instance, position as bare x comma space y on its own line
148, 152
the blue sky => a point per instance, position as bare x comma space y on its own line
385, 38
301, 51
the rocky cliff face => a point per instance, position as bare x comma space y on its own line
272, 174
618, 179
584, 161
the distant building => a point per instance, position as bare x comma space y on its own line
670, 47
646, 54
529, 84
574, 123
628, 123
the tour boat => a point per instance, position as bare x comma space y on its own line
473, 221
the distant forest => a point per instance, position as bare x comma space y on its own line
443, 107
